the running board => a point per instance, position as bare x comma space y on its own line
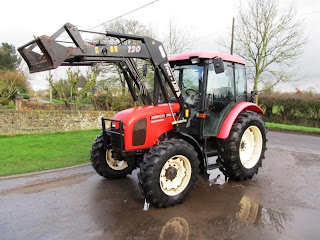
212, 153
213, 166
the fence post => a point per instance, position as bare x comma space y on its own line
18, 103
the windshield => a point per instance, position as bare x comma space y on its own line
190, 79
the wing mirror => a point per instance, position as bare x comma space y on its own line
218, 65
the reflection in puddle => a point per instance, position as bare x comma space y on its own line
146, 205
263, 217
216, 177
248, 214
175, 228
248, 210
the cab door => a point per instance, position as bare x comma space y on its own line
191, 82
221, 95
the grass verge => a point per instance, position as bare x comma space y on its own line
36, 152
293, 128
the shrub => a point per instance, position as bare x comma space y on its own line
295, 109
102, 102
25, 96
107, 102
121, 102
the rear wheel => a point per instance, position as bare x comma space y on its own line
105, 165
243, 151
168, 172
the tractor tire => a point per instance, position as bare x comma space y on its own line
105, 165
168, 172
241, 154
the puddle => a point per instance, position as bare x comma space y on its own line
245, 220
42, 185
250, 221
290, 223
307, 161
257, 215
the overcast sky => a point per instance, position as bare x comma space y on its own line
206, 19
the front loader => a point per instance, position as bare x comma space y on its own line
199, 108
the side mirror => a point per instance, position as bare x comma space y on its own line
253, 96
218, 65
144, 70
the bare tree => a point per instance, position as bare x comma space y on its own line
178, 39
270, 39
9, 83
134, 27
59, 87
130, 27
70, 90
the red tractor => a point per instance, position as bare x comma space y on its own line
199, 108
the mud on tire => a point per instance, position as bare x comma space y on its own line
98, 158
168, 172
241, 154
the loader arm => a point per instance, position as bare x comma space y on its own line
53, 54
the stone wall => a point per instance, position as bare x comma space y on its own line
40, 121
26, 104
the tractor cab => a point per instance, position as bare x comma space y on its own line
211, 90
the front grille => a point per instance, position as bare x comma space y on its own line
116, 141
116, 133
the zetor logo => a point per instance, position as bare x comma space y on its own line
173, 81
164, 115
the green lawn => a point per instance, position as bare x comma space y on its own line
54, 100
86, 103
295, 128
36, 152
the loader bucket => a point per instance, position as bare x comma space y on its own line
51, 54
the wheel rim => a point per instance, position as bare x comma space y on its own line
115, 164
175, 175
250, 147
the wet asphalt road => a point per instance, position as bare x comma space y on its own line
281, 202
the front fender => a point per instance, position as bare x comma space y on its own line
196, 146
232, 116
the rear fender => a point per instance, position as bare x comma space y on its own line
232, 116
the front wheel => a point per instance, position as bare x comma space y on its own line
168, 172
242, 152
105, 165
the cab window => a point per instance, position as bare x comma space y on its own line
220, 86
241, 83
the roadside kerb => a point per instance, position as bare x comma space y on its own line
42, 172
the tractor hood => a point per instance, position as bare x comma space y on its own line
146, 122
131, 115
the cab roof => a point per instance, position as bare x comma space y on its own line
206, 55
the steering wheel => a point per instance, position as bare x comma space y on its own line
191, 91
192, 96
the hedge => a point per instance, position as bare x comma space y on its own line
293, 109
